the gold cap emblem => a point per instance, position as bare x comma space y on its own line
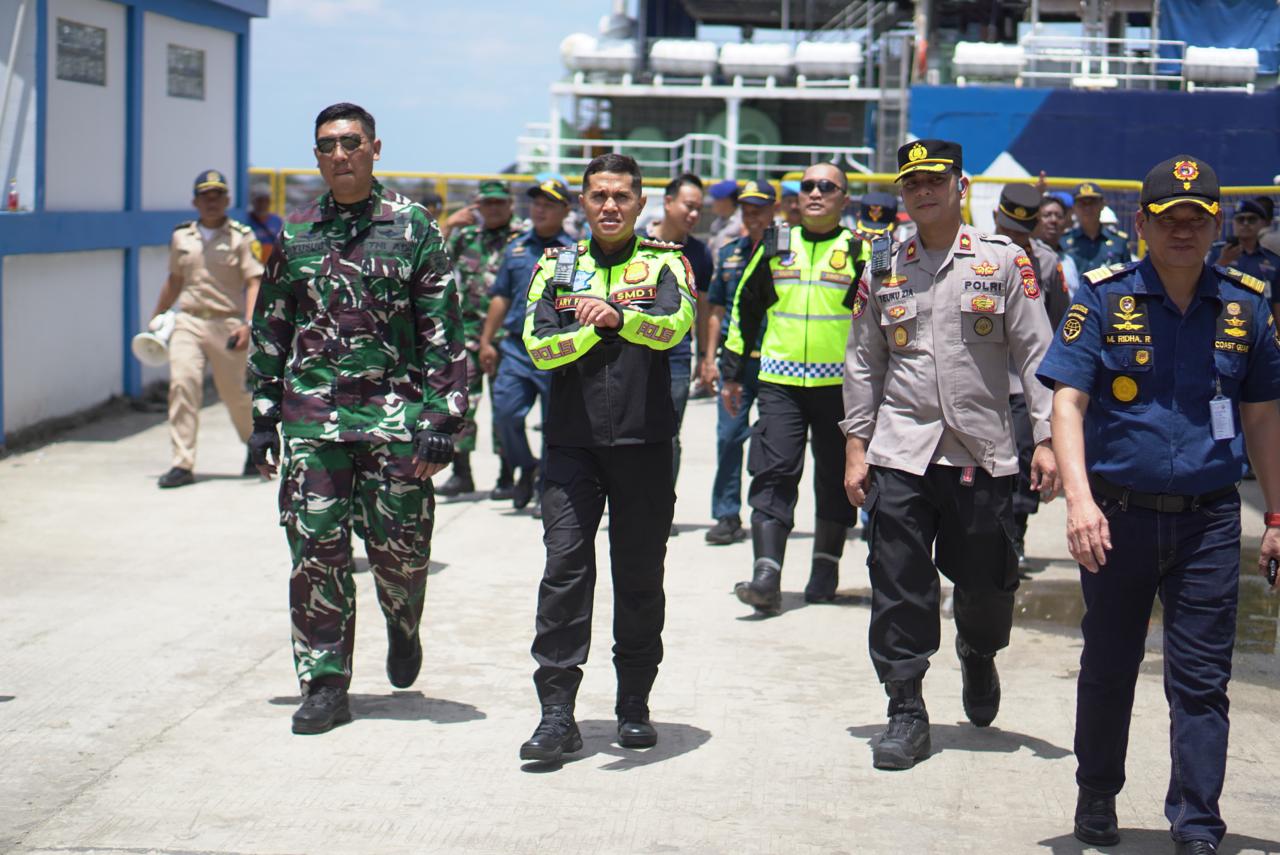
917, 152
1186, 171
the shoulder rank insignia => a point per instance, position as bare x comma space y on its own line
1253, 283
1108, 271
239, 226
667, 246
185, 224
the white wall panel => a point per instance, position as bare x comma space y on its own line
85, 136
153, 270
18, 133
61, 333
182, 136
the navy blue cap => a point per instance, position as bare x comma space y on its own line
727, 189
211, 179
877, 212
757, 193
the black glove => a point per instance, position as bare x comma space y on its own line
264, 441
431, 446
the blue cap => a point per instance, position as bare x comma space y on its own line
790, 188
877, 213
1064, 197
210, 179
727, 189
757, 193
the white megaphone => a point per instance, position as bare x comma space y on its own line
152, 347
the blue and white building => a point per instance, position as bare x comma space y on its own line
112, 108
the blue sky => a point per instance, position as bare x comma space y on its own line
451, 83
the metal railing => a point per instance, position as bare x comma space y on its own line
1101, 63
701, 154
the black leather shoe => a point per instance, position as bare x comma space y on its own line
249, 470
404, 657
537, 508
506, 486
981, 693
322, 710
1096, 819
523, 491
1194, 847
556, 735
176, 477
727, 530
634, 728
905, 741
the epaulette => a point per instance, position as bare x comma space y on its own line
185, 224
1123, 235
1253, 283
661, 244
1108, 272
239, 226
1000, 239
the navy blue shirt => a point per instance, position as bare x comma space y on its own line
732, 257
1263, 263
1150, 371
1109, 247
516, 272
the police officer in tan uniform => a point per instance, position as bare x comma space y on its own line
213, 277
930, 451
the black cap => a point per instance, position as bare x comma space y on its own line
928, 156
1019, 208
1087, 190
1183, 179
757, 193
210, 179
1262, 206
877, 213
553, 188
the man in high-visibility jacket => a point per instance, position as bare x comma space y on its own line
804, 282
603, 316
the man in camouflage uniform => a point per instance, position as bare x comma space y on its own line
358, 359
476, 250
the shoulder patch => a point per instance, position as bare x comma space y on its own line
1253, 283
1108, 272
185, 224
661, 244
239, 226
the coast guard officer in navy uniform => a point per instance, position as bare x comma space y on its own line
1162, 369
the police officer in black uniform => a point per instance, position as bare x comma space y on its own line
1162, 368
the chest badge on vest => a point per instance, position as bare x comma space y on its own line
1129, 326
983, 326
582, 280
637, 271
900, 335
1233, 323
839, 259
983, 303
985, 268
896, 312
1125, 389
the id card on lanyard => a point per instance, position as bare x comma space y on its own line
1221, 421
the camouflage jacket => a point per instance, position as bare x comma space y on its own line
357, 331
477, 255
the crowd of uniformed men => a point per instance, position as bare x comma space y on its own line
945, 379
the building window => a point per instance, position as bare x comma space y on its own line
186, 72
82, 53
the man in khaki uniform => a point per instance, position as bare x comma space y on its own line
929, 447
213, 277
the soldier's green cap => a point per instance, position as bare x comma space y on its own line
493, 190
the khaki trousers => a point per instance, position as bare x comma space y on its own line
195, 344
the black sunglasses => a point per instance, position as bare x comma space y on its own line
349, 142
823, 186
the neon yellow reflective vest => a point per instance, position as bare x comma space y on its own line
806, 295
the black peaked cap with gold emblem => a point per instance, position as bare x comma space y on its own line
1182, 179
929, 156
1019, 208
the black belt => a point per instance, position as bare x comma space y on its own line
1166, 503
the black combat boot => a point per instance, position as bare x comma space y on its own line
764, 591
1194, 847
1096, 819
461, 481
1019, 544
523, 492
556, 735
323, 708
506, 486
634, 728
906, 740
981, 694
727, 530
404, 657
824, 574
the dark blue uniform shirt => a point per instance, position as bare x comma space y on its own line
732, 257
1264, 264
515, 273
1110, 247
1150, 371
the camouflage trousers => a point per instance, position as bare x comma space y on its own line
466, 439
326, 490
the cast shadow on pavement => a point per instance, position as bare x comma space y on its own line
963, 736
401, 706
599, 736
6, 698
1149, 841
793, 600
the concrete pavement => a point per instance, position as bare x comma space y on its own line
146, 686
